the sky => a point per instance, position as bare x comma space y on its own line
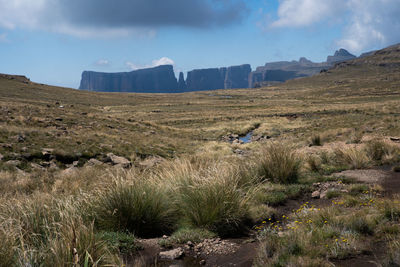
53, 41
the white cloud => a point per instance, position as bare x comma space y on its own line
373, 23
162, 61
102, 62
299, 13
154, 63
368, 23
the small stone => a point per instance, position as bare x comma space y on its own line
172, 254
1, 156
69, 171
36, 166
190, 244
94, 162
316, 194
14, 163
202, 262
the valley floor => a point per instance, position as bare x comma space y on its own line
100, 179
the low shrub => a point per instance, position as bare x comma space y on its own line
360, 225
391, 210
314, 164
357, 189
377, 149
332, 194
261, 212
355, 158
120, 242
316, 140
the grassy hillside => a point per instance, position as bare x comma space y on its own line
189, 182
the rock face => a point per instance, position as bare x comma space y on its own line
218, 78
205, 79
237, 76
159, 79
181, 83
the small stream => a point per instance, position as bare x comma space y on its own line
247, 138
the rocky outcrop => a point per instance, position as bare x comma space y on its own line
282, 71
340, 56
159, 79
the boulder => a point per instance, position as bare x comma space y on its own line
117, 160
173, 254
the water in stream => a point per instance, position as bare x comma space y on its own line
247, 138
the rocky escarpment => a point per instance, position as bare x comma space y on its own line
282, 71
159, 79
205, 79
218, 78
162, 79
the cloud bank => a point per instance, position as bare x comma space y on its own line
154, 63
117, 17
368, 23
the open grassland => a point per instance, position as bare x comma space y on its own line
63, 204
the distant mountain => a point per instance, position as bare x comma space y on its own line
282, 71
162, 79
340, 56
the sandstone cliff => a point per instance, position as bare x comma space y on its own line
159, 79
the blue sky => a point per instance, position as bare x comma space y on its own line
53, 41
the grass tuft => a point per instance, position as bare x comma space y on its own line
280, 164
140, 208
